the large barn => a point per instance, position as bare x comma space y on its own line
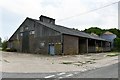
45, 37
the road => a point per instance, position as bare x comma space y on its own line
104, 72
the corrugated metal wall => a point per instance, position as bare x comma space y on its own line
70, 45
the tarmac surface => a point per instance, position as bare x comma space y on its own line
110, 71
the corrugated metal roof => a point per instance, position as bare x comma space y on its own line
108, 32
65, 30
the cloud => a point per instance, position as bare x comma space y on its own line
103, 18
22, 7
60, 9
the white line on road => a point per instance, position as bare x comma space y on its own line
69, 75
83, 70
76, 73
50, 76
60, 77
60, 73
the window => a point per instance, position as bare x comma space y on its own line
21, 34
21, 29
50, 21
32, 32
26, 28
17, 36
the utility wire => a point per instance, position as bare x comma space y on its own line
87, 12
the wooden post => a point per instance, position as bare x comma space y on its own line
110, 45
119, 14
95, 46
102, 46
87, 44
62, 44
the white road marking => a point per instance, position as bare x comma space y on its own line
69, 75
83, 70
76, 72
50, 76
60, 77
60, 73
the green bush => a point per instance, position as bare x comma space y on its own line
5, 48
0, 42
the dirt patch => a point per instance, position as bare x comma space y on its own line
23, 62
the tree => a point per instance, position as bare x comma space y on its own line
4, 45
117, 44
115, 31
95, 30
99, 31
0, 42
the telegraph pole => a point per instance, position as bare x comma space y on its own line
119, 15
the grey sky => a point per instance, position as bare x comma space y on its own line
13, 13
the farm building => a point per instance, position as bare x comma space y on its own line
45, 37
109, 36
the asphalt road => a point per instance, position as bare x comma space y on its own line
104, 72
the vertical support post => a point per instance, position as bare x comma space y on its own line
119, 14
110, 45
87, 44
62, 44
101, 46
95, 46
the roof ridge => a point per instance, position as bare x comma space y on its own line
70, 31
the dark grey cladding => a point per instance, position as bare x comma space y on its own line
69, 31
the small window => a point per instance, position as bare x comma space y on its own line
50, 21
21, 29
21, 34
17, 36
26, 28
32, 32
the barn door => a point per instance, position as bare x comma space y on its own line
25, 42
51, 49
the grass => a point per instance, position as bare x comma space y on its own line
113, 54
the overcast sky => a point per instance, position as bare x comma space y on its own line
14, 12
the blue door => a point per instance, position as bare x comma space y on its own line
52, 50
